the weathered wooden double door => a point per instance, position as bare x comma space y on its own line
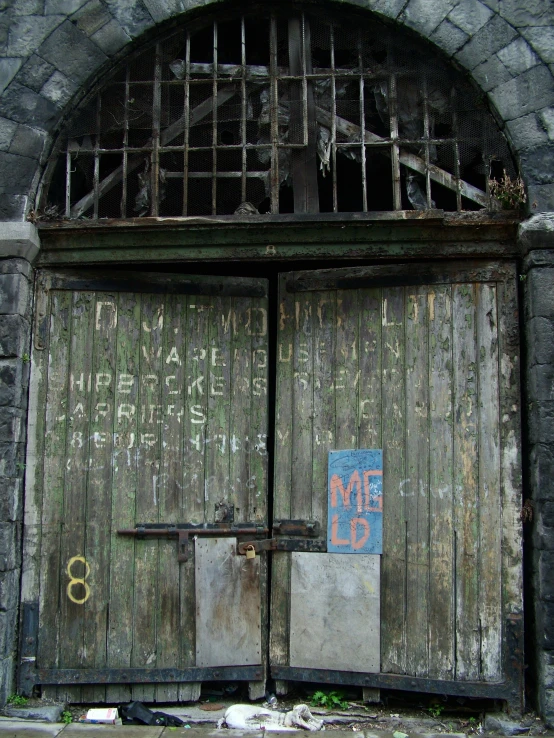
148, 468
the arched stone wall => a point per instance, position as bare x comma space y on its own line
52, 49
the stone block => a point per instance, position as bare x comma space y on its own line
493, 36
28, 32
491, 74
9, 590
44, 713
162, 9
388, 8
14, 337
539, 333
14, 294
72, 53
7, 132
426, 15
540, 382
518, 56
546, 117
13, 208
470, 16
12, 459
540, 421
544, 613
91, 17
131, 15
17, 173
23, 105
20, 240
111, 38
449, 37
28, 142
59, 89
539, 294
541, 39
541, 472
10, 555
537, 164
11, 499
7, 679
63, 6
35, 72
526, 131
501, 724
529, 92
8, 70
540, 198
28, 7
12, 425
528, 13
8, 626
545, 584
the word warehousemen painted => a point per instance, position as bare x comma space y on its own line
355, 520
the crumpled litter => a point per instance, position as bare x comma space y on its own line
252, 717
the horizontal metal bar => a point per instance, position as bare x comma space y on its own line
147, 676
492, 690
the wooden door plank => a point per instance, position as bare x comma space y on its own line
124, 489
258, 435
146, 585
416, 489
228, 624
324, 438
168, 614
393, 564
490, 552
441, 534
303, 404
346, 370
99, 487
73, 561
466, 491
370, 360
216, 483
280, 577
52, 487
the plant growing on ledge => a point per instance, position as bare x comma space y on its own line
509, 192
329, 700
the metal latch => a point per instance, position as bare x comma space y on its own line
182, 531
304, 530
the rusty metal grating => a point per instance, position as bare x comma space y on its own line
292, 113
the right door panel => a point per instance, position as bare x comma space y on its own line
423, 363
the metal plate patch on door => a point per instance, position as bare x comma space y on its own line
228, 621
335, 612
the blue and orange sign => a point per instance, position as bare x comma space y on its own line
355, 520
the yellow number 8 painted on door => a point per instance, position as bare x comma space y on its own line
78, 580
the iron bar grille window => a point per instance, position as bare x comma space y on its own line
294, 113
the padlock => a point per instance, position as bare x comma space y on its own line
250, 552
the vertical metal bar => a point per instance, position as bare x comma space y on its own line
187, 127
274, 113
96, 176
426, 135
304, 52
125, 144
395, 159
156, 114
362, 123
243, 110
333, 118
67, 181
456, 150
214, 124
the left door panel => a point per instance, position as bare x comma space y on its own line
148, 405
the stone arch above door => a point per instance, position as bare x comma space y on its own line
50, 58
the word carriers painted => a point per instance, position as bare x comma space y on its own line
355, 519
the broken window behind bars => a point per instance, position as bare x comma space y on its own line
292, 113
